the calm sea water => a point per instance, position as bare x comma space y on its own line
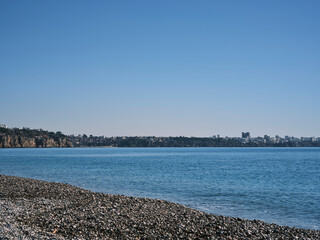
279, 185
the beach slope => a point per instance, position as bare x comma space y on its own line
33, 209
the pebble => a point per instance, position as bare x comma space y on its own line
33, 209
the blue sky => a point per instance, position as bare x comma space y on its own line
164, 68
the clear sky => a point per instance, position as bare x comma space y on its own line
163, 68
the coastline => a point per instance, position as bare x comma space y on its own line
32, 209
39, 138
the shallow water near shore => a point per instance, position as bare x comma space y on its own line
278, 185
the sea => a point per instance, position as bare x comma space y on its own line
275, 185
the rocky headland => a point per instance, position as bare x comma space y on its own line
33, 209
31, 138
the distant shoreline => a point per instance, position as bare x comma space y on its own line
161, 147
39, 138
39, 209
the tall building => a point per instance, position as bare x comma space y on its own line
245, 134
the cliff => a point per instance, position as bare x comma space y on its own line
26, 138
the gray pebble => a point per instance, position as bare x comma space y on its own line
33, 209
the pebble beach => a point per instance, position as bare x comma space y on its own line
34, 209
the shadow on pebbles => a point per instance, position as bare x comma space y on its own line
33, 209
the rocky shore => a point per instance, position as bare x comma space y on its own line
32, 142
32, 138
33, 209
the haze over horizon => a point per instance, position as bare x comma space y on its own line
167, 68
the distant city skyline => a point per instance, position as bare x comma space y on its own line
243, 135
167, 68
